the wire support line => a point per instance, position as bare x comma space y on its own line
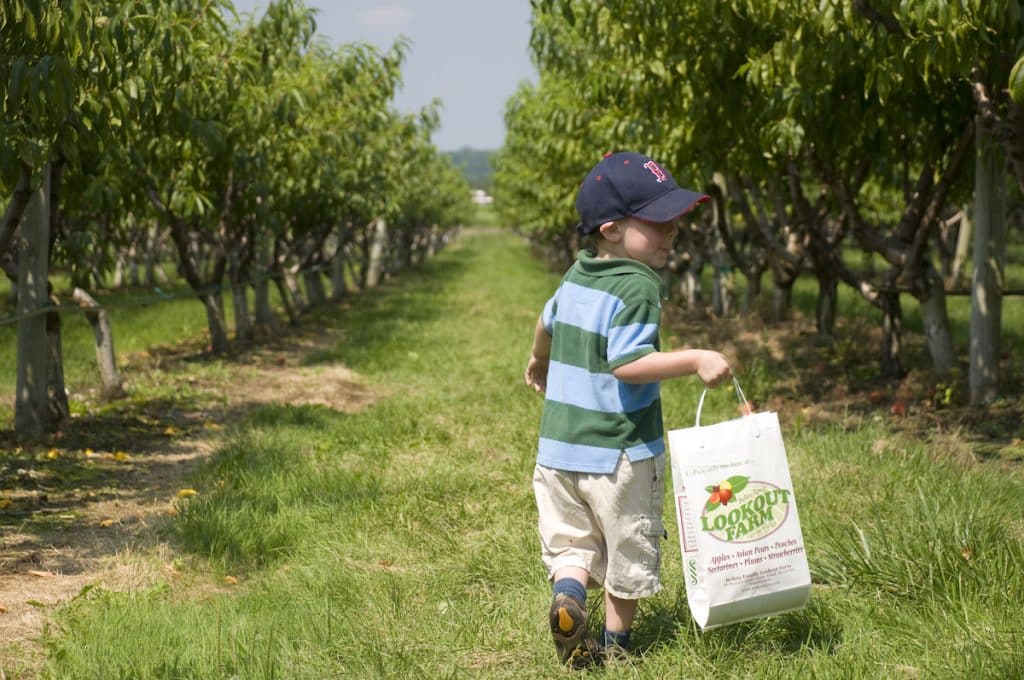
161, 296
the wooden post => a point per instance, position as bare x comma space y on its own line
30, 405
105, 357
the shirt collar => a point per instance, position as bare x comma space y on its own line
592, 265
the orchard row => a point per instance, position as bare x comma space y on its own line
245, 150
829, 134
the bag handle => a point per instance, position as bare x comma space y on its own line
747, 409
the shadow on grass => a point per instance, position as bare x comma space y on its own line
105, 481
141, 450
814, 628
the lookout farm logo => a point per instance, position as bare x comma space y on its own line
740, 510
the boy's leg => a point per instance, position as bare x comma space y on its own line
619, 613
573, 554
618, 624
633, 530
567, 616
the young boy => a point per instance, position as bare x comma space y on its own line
599, 478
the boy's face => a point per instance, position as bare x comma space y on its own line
647, 242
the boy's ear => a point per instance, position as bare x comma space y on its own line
611, 231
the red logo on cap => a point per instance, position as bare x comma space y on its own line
656, 170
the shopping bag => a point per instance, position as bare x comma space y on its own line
739, 530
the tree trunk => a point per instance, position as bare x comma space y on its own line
722, 287
154, 272
963, 244
403, 250
264, 315
867, 259
690, 282
240, 303
828, 301
105, 357
315, 290
58, 409
56, 393
375, 271
782, 297
339, 289
723, 281
119, 271
359, 262
133, 262
214, 304
16, 208
291, 282
989, 257
936, 324
433, 240
286, 298
892, 335
753, 289
31, 417
191, 267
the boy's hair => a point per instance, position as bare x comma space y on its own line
630, 184
590, 241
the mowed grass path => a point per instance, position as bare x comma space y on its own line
399, 541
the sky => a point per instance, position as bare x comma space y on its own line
472, 54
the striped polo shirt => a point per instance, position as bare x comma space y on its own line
604, 314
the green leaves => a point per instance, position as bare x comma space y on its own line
1016, 84
16, 88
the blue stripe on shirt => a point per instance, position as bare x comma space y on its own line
625, 340
586, 308
597, 391
596, 459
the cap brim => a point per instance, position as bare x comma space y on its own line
671, 205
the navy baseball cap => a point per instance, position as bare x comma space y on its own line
629, 184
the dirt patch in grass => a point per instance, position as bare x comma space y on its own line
88, 505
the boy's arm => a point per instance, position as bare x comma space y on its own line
540, 356
712, 367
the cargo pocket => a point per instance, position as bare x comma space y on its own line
653, 530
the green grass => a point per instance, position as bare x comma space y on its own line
143, 322
486, 216
141, 319
399, 541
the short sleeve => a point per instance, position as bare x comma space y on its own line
547, 317
633, 333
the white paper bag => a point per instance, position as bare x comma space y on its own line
743, 551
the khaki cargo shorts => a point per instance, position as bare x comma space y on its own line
608, 524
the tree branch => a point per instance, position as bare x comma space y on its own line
16, 208
869, 237
912, 214
722, 224
938, 198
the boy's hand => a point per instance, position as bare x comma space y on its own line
537, 373
713, 368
